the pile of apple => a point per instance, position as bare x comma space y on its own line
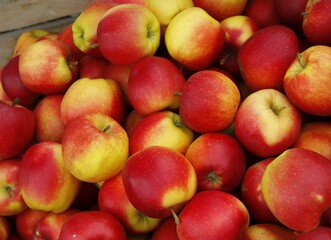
181, 119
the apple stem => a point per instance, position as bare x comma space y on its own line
94, 46
177, 93
300, 60
106, 128
9, 190
175, 216
16, 101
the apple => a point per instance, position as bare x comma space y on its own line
318, 233
251, 193
218, 160
290, 13
95, 147
269, 231
50, 225
11, 200
307, 80
48, 67
131, 120
46, 184
262, 64
163, 128
91, 66
167, 230
3, 95
100, 96
47, 115
84, 27
138, 25
5, 231
222, 9
267, 123
316, 136
114, 200
316, 22
159, 180
295, 186
155, 83
209, 101
94, 224
14, 87
213, 214
17, 128
204, 34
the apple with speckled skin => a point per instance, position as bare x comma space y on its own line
267, 123
166, 181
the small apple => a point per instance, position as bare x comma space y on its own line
91, 66
269, 231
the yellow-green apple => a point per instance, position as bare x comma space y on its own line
251, 193
316, 22
166, 230
166, 10
91, 66
159, 180
267, 123
194, 38
262, 63
5, 230
11, 200
131, 120
163, 128
201, 218
155, 83
316, 136
307, 80
218, 160
138, 25
238, 29
264, 12
84, 28
318, 233
295, 186
114, 200
48, 67
290, 13
13, 85
221, 9
50, 225
98, 95
46, 183
209, 101
17, 128
26, 38
262, 231
95, 147
47, 115
94, 224
26, 221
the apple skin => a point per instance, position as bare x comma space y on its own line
131, 120
203, 32
113, 199
11, 200
318, 233
13, 85
100, 95
261, 63
222, 9
209, 101
87, 225
156, 170
267, 123
91, 66
163, 128
269, 231
290, 13
47, 114
17, 129
296, 199
204, 210
94, 136
251, 193
48, 67
167, 230
307, 80
138, 25
316, 22
46, 184
218, 160
5, 230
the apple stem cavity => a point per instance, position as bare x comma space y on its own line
106, 128
175, 216
16, 101
301, 61
212, 177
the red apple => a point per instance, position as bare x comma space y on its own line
3, 95
17, 128
291, 13
219, 161
159, 180
318, 233
209, 101
92, 225
167, 230
213, 215
91, 66
295, 186
307, 80
267, 123
269, 231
